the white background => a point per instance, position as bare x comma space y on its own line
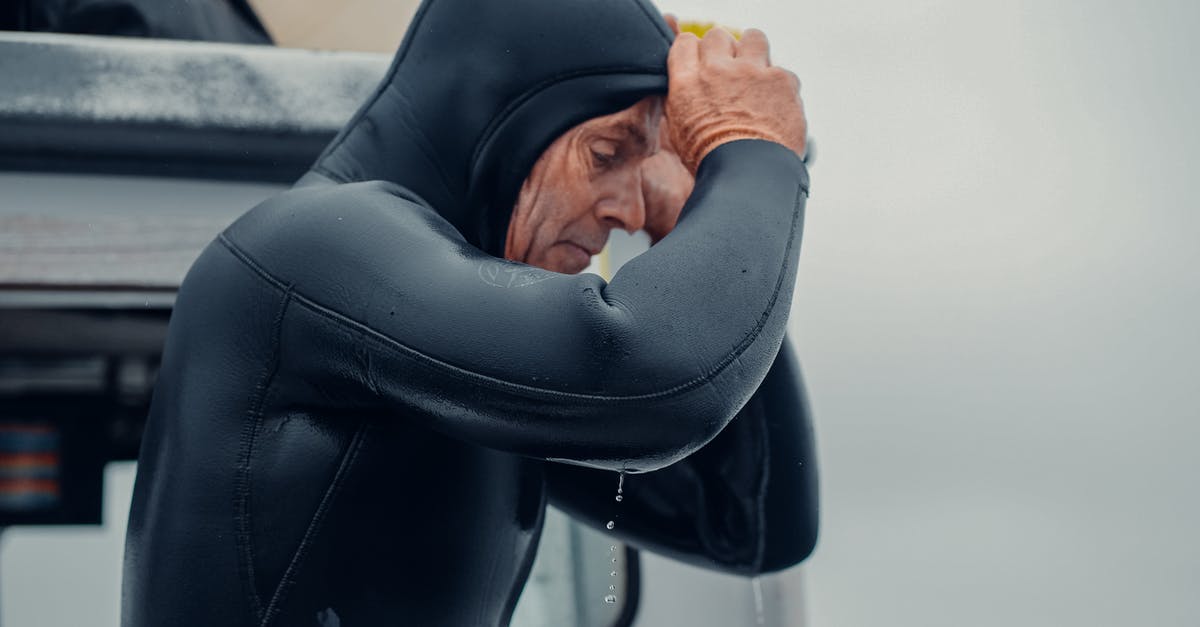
997, 307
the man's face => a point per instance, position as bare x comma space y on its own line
590, 181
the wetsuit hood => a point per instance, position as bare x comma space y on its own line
478, 90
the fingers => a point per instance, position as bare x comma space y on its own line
672, 22
717, 44
684, 55
721, 90
754, 46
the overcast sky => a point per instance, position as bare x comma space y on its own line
997, 307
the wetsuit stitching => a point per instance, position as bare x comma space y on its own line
253, 265
244, 534
314, 525
401, 54
422, 143
474, 377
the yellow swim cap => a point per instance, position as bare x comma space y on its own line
699, 28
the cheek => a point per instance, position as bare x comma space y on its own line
565, 215
557, 258
549, 251
543, 233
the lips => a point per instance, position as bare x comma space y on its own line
580, 256
590, 250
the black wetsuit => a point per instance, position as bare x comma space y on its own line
360, 409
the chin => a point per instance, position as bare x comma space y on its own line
566, 259
571, 267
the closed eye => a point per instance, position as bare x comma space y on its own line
602, 159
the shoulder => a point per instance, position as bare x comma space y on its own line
331, 201
317, 238
307, 216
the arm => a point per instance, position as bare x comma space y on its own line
394, 309
745, 503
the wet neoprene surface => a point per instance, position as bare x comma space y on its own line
357, 400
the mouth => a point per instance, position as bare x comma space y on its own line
580, 255
590, 250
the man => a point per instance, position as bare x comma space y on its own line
361, 411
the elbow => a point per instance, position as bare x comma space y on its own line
757, 553
786, 555
636, 441
790, 532
652, 399
641, 445
655, 438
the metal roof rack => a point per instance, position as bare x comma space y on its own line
74, 103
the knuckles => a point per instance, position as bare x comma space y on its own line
714, 92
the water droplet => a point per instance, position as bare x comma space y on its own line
759, 614
612, 548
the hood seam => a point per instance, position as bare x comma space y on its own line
405, 44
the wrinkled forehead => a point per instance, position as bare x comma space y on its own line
636, 127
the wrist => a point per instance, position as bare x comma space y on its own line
692, 162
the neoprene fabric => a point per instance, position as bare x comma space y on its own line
357, 402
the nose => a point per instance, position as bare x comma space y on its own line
625, 208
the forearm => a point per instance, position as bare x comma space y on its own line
398, 310
745, 503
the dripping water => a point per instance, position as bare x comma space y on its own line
759, 614
611, 597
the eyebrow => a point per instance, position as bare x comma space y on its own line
636, 133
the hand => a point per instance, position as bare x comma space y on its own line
666, 186
721, 90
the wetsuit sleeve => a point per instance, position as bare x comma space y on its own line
745, 503
388, 306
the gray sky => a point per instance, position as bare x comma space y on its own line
997, 307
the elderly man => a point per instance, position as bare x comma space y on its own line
363, 409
